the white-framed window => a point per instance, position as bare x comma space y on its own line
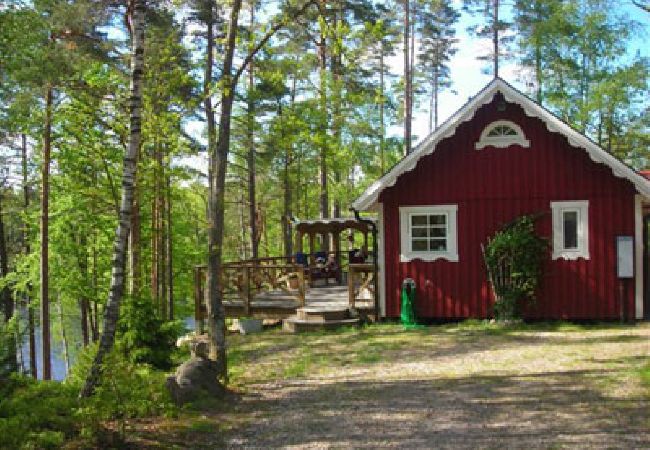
428, 233
570, 229
501, 134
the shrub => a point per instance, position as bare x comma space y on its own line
514, 257
143, 337
37, 414
47, 414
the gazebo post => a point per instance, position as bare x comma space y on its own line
311, 248
336, 235
298, 241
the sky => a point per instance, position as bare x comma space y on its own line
468, 77
467, 74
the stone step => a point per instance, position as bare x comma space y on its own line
295, 325
322, 314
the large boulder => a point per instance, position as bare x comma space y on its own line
195, 378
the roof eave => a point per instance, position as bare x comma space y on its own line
370, 196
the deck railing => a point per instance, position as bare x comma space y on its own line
361, 280
244, 280
241, 282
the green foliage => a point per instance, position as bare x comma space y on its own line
143, 337
514, 257
37, 414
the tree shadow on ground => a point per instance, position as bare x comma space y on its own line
528, 411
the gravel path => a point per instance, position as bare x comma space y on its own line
533, 390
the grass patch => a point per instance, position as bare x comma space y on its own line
644, 375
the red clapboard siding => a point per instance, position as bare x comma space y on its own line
491, 187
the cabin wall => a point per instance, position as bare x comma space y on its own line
493, 186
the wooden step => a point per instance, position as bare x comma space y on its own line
322, 314
295, 325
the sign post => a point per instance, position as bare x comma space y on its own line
624, 268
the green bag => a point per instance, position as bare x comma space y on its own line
407, 313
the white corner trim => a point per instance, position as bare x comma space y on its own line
381, 260
427, 146
582, 208
638, 249
502, 141
451, 254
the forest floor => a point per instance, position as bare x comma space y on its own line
470, 385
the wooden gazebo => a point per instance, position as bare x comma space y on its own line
330, 231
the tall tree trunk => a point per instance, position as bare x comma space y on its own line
64, 338
382, 102
495, 38
83, 301
45, 208
337, 94
6, 298
412, 66
94, 316
250, 132
538, 52
324, 125
287, 213
30, 311
155, 229
170, 248
243, 239
218, 162
162, 246
111, 312
407, 78
436, 85
83, 309
134, 245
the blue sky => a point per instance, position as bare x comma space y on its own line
468, 78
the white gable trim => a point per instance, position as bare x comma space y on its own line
369, 198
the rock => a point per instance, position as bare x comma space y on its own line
195, 378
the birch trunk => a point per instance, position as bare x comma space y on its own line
111, 312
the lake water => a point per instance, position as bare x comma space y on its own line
58, 362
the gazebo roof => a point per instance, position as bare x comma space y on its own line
330, 225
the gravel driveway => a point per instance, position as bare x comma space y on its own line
531, 389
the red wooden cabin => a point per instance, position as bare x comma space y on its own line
499, 157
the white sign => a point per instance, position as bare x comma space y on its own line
624, 256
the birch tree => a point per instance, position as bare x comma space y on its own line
137, 11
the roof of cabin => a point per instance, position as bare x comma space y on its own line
370, 196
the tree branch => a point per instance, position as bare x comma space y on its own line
265, 39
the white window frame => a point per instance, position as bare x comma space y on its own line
502, 141
581, 207
407, 254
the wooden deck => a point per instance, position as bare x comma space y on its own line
280, 305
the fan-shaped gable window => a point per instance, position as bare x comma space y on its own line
501, 134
